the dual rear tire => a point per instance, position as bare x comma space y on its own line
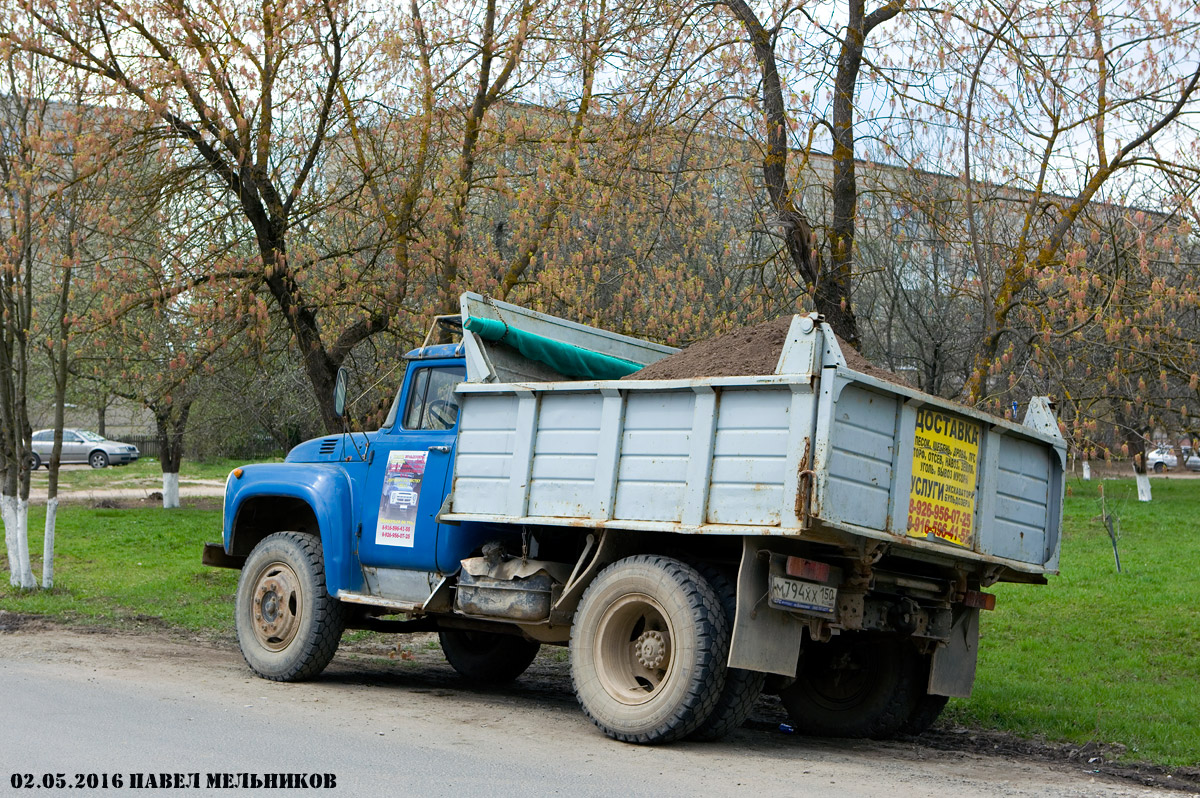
859, 685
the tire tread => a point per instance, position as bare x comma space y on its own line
712, 640
318, 648
742, 687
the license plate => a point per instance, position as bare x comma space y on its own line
794, 594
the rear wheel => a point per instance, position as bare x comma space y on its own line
854, 686
35, 461
487, 657
648, 650
288, 626
98, 459
928, 706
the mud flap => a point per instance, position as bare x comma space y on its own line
764, 639
952, 671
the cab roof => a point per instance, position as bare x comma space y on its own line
435, 351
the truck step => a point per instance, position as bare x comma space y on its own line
396, 605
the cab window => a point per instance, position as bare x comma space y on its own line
432, 404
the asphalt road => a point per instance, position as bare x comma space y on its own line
78, 703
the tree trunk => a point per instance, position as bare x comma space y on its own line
8, 512
170, 422
318, 365
52, 491
59, 362
830, 287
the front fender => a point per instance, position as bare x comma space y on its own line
326, 490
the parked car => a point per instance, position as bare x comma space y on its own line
82, 446
1160, 459
1163, 458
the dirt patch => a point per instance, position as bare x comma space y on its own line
19, 622
746, 351
1098, 758
127, 503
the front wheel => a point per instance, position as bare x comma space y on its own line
98, 459
35, 461
288, 626
487, 657
648, 650
1159, 467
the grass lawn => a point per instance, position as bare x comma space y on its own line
1099, 655
1096, 655
146, 472
126, 568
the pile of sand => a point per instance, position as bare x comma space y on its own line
746, 351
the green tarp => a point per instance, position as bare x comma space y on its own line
567, 359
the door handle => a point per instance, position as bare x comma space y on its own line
442, 449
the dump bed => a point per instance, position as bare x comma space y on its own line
817, 450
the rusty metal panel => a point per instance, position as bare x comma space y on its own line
798, 464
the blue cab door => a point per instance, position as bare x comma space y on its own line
410, 472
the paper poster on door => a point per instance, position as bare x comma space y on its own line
401, 495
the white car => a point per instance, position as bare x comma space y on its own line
402, 497
1162, 459
82, 446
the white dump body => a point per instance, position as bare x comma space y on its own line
816, 451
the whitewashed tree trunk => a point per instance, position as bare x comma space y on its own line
1143, 486
170, 491
26, 575
8, 509
1087, 470
48, 545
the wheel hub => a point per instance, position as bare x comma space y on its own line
277, 601
651, 648
633, 649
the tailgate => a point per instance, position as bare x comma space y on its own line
938, 475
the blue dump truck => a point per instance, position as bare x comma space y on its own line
821, 532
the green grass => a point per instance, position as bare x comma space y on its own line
1099, 655
1094, 656
146, 472
126, 568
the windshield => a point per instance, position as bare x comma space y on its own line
90, 437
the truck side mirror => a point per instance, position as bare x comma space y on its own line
339, 391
